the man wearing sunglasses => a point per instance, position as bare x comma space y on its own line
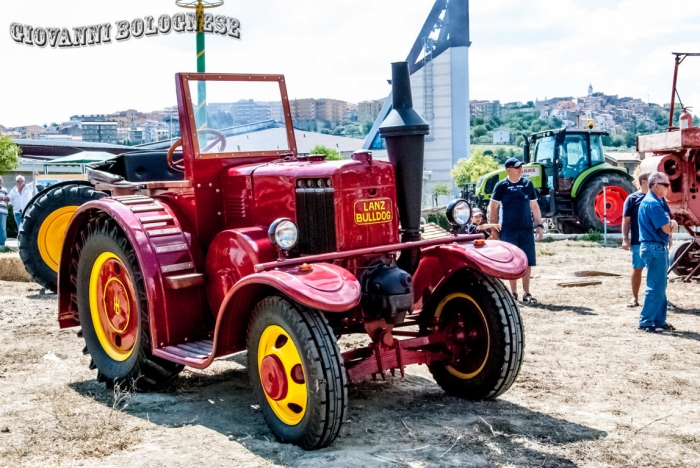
655, 228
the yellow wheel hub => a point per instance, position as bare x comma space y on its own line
477, 335
113, 307
282, 375
51, 234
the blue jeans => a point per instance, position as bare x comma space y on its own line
3, 229
18, 220
655, 257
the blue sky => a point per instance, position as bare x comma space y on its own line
521, 50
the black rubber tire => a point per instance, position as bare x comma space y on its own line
32, 219
685, 267
585, 204
141, 371
505, 328
324, 372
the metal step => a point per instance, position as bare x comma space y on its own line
193, 354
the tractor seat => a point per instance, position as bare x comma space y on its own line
144, 166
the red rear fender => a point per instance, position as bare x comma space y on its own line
166, 250
326, 287
496, 258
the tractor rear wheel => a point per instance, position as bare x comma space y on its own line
689, 260
43, 228
297, 373
113, 312
592, 203
486, 336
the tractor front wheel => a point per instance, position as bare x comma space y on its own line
44, 226
485, 336
113, 311
297, 373
601, 199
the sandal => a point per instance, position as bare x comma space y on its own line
528, 299
668, 327
633, 303
515, 296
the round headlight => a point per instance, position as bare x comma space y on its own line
459, 212
283, 233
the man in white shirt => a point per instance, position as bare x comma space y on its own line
3, 214
19, 197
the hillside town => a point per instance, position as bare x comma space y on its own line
617, 115
611, 113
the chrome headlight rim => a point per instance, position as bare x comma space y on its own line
456, 214
278, 238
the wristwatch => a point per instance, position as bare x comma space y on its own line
540, 226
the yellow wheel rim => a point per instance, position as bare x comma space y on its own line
51, 234
281, 375
438, 313
112, 307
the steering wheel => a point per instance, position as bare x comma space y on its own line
179, 165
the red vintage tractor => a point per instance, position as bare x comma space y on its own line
259, 249
677, 154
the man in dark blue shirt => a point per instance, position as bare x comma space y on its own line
630, 234
655, 227
514, 201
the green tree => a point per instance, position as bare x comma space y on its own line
9, 154
331, 154
469, 170
630, 140
479, 131
440, 189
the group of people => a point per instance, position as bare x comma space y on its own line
646, 227
18, 197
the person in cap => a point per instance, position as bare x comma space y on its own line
514, 201
478, 224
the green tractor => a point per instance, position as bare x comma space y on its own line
577, 190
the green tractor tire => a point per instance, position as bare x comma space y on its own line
43, 228
592, 202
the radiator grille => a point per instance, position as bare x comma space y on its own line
316, 220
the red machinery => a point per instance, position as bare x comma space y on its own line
259, 249
677, 153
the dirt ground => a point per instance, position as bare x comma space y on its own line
593, 391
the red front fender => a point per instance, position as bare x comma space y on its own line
496, 258
326, 287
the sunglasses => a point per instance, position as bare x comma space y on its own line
665, 184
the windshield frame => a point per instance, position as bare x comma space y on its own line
190, 142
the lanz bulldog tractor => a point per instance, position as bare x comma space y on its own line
677, 154
258, 249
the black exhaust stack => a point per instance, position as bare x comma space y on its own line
404, 131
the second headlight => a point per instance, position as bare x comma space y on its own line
458, 212
283, 233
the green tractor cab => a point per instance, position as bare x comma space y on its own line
576, 188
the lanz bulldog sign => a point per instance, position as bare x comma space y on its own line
83, 36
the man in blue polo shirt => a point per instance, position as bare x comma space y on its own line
517, 199
655, 227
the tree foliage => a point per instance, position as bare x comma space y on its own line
331, 154
469, 170
9, 154
440, 189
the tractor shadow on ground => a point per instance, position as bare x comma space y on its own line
388, 422
685, 335
680, 310
580, 310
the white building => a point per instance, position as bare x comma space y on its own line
502, 136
